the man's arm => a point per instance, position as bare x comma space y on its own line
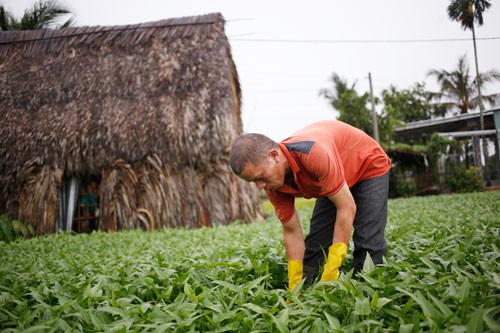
346, 210
294, 238
295, 247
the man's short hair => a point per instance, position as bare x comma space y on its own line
251, 147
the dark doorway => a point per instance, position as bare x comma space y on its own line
87, 212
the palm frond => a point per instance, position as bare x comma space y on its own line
459, 87
468, 11
43, 14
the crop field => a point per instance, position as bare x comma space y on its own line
441, 274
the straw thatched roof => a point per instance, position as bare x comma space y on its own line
151, 108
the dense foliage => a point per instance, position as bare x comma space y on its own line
442, 274
351, 106
460, 180
11, 229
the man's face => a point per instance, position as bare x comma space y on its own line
268, 174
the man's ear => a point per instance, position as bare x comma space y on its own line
274, 154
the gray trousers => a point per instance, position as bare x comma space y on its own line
369, 224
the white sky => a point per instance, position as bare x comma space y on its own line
281, 80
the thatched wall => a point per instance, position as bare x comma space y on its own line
152, 108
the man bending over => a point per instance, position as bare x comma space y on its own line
340, 165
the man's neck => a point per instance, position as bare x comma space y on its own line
286, 165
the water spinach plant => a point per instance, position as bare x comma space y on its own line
441, 274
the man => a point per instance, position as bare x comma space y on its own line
341, 166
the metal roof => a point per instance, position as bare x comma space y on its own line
458, 123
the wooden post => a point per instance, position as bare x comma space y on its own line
477, 152
374, 114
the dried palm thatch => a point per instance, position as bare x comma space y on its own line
152, 108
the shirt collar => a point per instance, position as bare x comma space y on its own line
291, 161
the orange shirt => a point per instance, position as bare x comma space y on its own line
323, 156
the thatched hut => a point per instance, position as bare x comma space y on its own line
149, 111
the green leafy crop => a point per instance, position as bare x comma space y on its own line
441, 274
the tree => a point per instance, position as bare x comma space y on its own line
460, 90
351, 106
43, 15
408, 105
404, 106
4, 19
467, 12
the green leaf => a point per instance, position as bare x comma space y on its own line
145, 307
463, 291
490, 321
406, 328
333, 322
6, 228
163, 328
37, 328
36, 296
282, 321
19, 228
381, 302
94, 291
298, 288
407, 306
373, 303
255, 308
96, 321
112, 310
188, 290
475, 324
31, 230
63, 325
429, 310
429, 264
318, 326
442, 307
373, 282
362, 307
368, 265
254, 283
230, 286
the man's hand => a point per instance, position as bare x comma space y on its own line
336, 253
295, 273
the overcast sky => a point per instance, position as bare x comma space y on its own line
286, 51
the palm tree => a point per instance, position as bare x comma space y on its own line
466, 12
43, 15
351, 106
459, 89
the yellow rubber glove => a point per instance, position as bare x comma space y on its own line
336, 253
295, 273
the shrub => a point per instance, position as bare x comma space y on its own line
10, 230
460, 179
400, 185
